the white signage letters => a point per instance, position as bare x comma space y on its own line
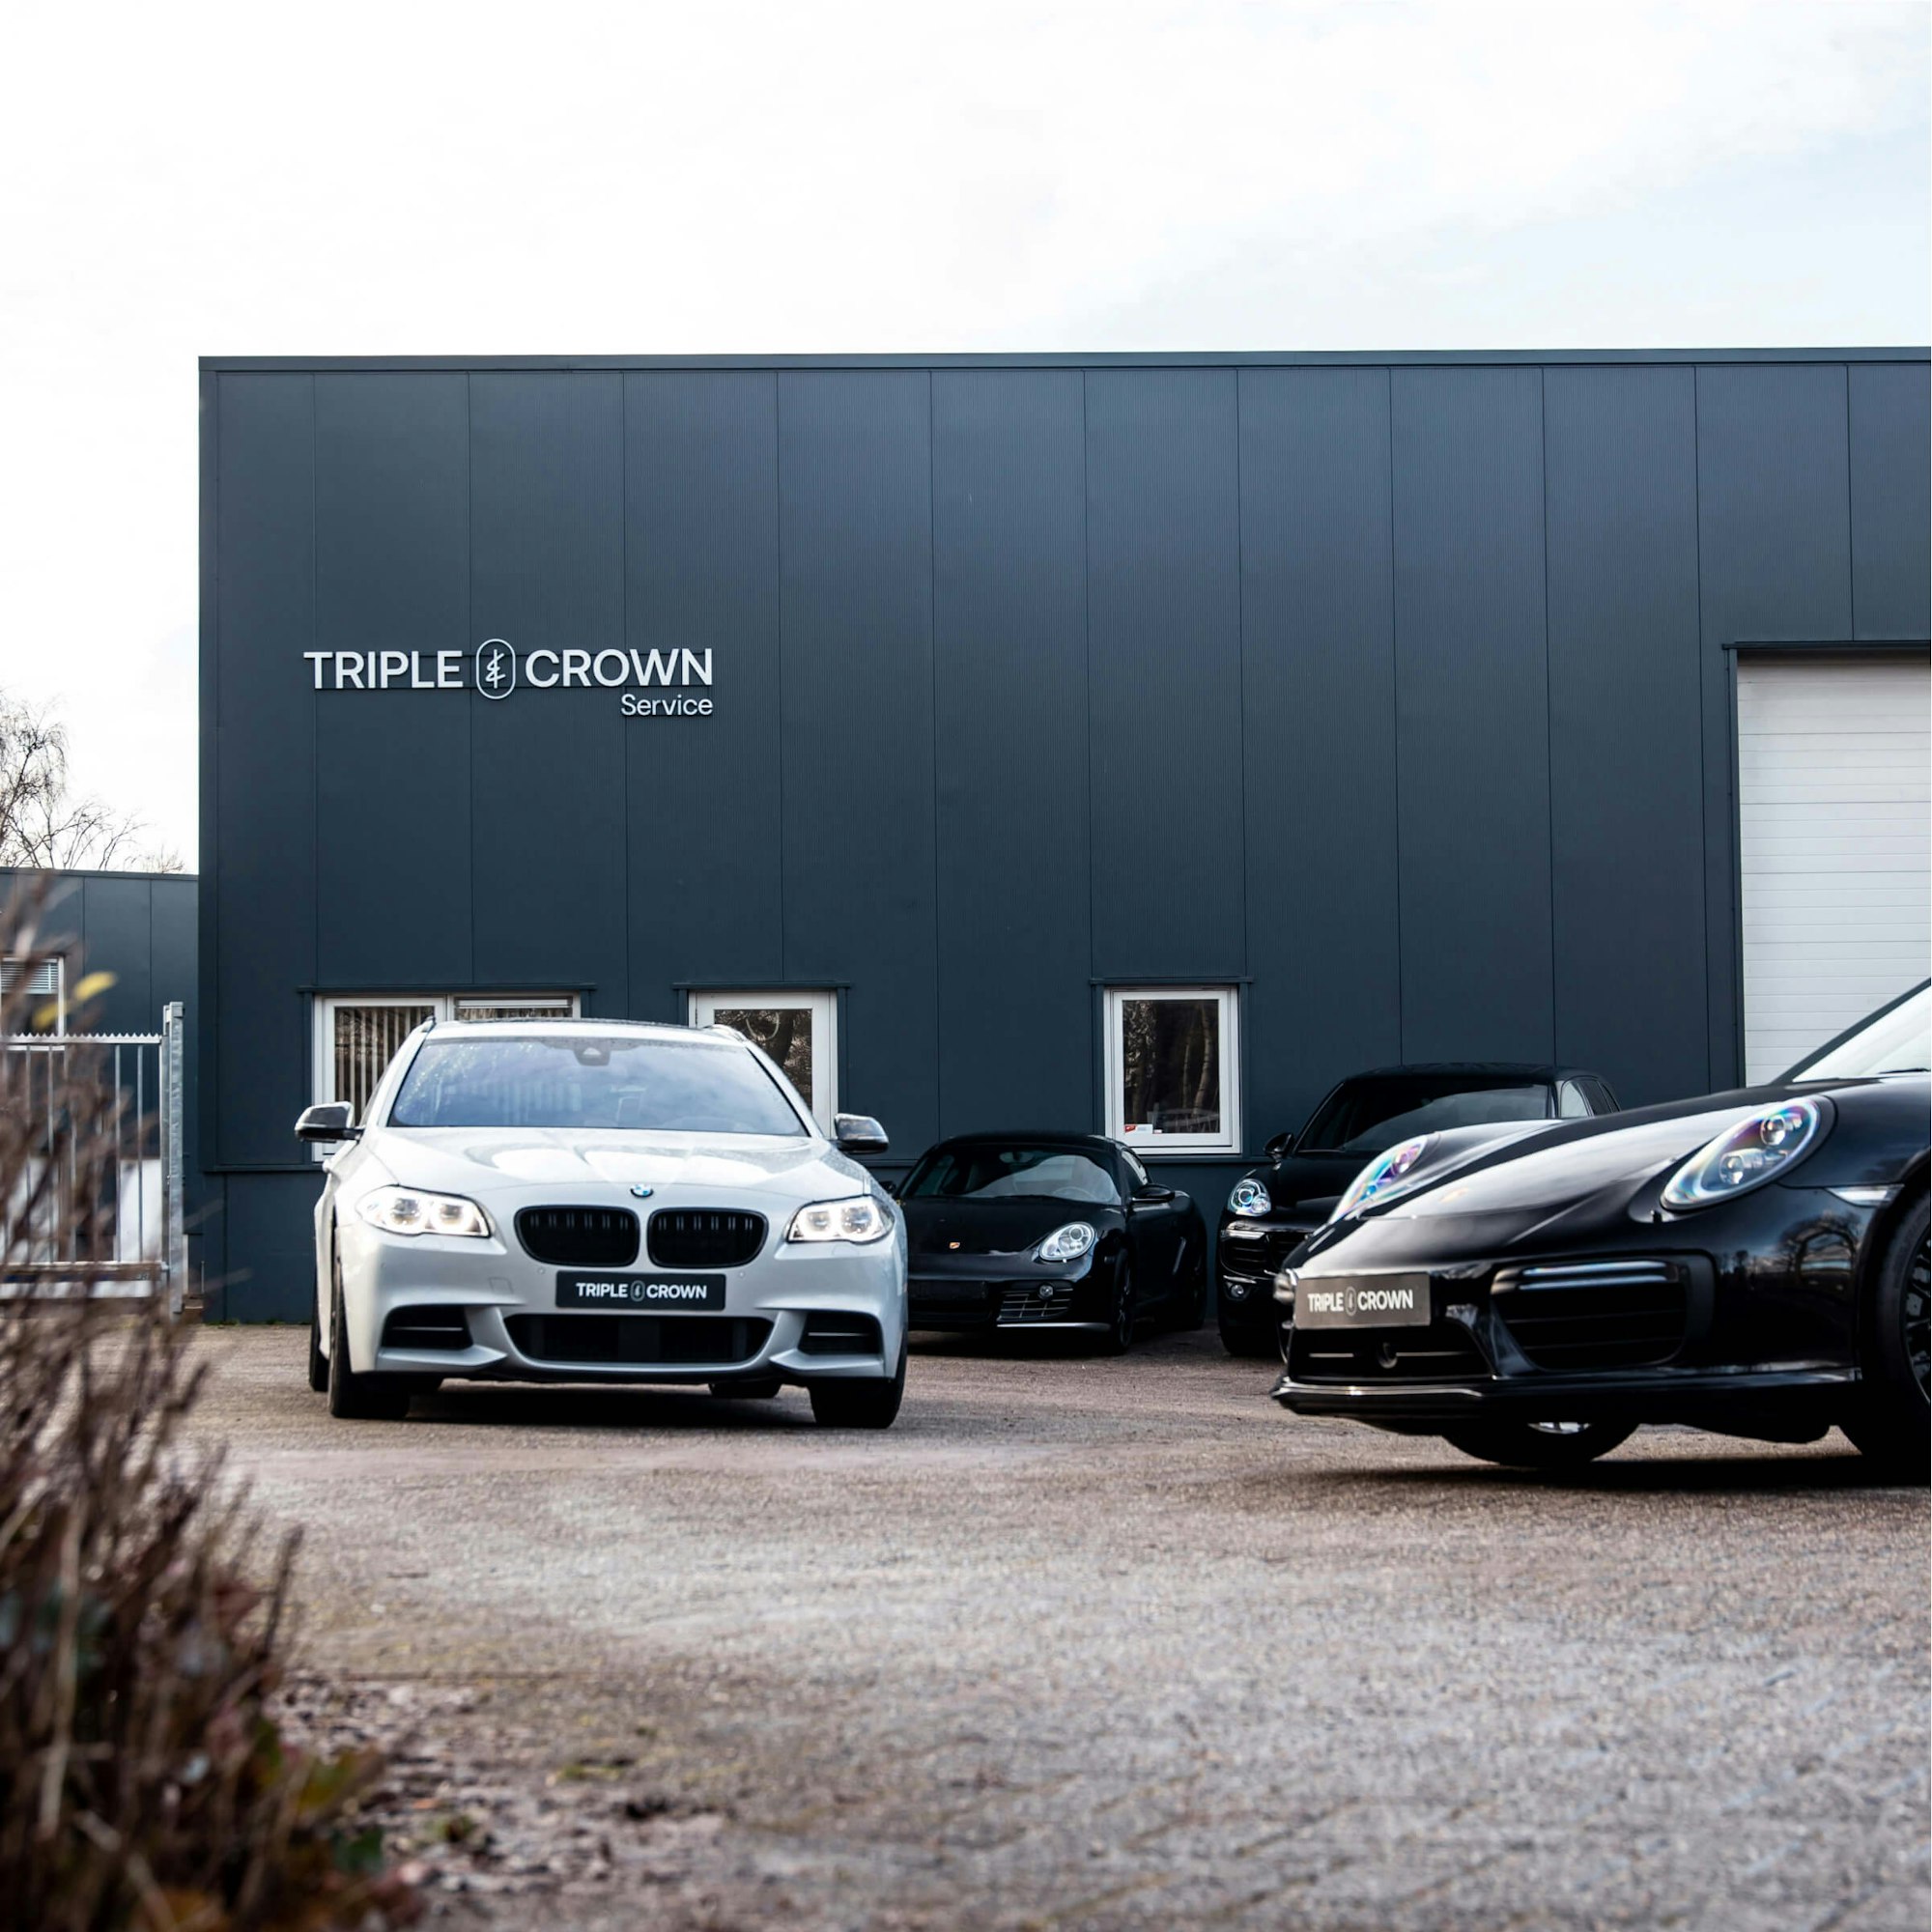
495, 672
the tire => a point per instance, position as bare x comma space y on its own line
871, 1403
1539, 1445
318, 1362
352, 1396
1190, 1306
1247, 1345
1120, 1335
1893, 1425
762, 1389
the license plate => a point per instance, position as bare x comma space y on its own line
663, 1294
1362, 1301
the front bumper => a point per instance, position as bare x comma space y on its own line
969, 1292
780, 1311
1250, 1252
1798, 1401
1651, 1336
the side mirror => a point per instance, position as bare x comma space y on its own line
1277, 1145
1153, 1195
859, 1133
333, 1120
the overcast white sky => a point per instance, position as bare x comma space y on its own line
187, 180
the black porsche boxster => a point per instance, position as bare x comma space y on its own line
1752, 1263
1275, 1208
1049, 1231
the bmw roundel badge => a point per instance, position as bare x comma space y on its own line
642, 1193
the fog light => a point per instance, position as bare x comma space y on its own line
1237, 1290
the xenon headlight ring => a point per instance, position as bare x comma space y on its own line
417, 1210
858, 1218
1761, 1147
1383, 1178
1250, 1196
1068, 1243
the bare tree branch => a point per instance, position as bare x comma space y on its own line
42, 826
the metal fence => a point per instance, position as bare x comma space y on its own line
136, 1212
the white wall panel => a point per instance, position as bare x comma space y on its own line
1834, 790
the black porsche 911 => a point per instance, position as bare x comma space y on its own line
1752, 1263
1050, 1231
1274, 1209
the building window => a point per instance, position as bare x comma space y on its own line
797, 1030
357, 1035
43, 984
1173, 1059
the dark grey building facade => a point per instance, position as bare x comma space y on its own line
1386, 701
141, 930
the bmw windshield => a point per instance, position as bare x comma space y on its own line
613, 1082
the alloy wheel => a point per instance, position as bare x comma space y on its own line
1914, 1309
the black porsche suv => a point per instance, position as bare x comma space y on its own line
1275, 1208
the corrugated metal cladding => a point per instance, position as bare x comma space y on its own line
1397, 691
140, 929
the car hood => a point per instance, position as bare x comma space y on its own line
938, 1227
552, 1162
1561, 1184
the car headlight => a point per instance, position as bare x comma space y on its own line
1746, 1155
411, 1210
1382, 1176
1250, 1197
1066, 1244
859, 1219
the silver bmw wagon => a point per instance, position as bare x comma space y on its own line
598, 1201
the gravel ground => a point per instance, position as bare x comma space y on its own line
1098, 1643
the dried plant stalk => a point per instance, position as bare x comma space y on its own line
143, 1779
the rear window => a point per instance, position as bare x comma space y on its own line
1367, 1116
602, 1082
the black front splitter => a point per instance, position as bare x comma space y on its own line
1702, 1399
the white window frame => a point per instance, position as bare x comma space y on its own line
822, 1003
1148, 1145
56, 964
442, 1007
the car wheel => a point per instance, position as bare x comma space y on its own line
1539, 1445
1894, 1426
1190, 1307
761, 1390
318, 1362
1119, 1337
1248, 1345
871, 1403
357, 1398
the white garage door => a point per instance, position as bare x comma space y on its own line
1833, 754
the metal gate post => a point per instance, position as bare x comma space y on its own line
174, 1252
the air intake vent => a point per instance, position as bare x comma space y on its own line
827, 1334
445, 1330
705, 1238
580, 1236
1443, 1351
1595, 1315
638, 1341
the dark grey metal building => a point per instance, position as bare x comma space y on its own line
139, 930
1339, 710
